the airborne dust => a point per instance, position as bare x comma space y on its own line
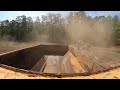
100, 34
95, 33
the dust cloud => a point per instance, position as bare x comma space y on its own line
95, 33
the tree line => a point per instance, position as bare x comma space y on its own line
53, 26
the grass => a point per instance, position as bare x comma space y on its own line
11, 45
118, 51
8, 44
15, 45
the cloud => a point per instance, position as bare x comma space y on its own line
109, 12
31, 13
102, 13
13, 14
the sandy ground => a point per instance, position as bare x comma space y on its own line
9, 74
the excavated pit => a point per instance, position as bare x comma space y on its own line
28, 57
58, 60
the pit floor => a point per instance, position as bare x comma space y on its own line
52, 65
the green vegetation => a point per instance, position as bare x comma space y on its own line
52, 25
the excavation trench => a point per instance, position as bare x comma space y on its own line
55, 60
28, 58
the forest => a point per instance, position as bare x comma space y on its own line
56, 28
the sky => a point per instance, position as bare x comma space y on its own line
10, 15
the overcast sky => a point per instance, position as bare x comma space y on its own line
12, 14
